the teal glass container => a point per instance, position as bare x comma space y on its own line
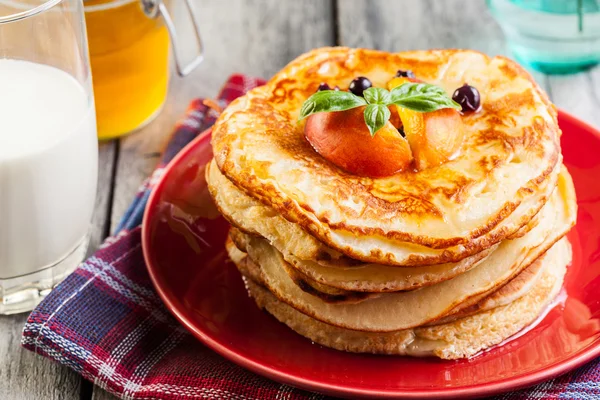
551, 36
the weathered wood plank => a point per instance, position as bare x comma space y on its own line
101, 394
106, 166
578, 94
419, 24
24, 375
256, 37
400, 25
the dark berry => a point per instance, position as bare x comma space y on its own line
468, 98
359, 85
323, 86
406, 74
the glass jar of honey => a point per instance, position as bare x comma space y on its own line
129, 52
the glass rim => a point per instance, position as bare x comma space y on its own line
106, 6
30, 12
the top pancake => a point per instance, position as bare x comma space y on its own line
509, 158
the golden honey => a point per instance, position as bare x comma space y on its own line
129, 58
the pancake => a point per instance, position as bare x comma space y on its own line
326, 293
238, 257
329, 294
370, 278
236, 247
514, 289
526, 228
243, 263
251, 216
506, 170
403, 310
458, 339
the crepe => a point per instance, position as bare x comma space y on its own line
370, 278
403, 310
512, 290
516, 288
251, 216
462, 338
506, 170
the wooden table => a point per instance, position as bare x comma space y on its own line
259, 37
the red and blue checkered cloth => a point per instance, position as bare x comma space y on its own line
106, 322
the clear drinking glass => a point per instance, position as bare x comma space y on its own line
552, 36
48, 147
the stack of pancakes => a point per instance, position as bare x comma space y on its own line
447, 261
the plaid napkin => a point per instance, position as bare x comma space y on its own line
106, 322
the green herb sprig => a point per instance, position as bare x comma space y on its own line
421, 97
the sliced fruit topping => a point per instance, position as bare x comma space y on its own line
435, 137
343, 139
468, 97
412, 120
359, 85
398, 81
325, 86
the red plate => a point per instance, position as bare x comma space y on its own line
183, 244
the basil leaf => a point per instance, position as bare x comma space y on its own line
422, 97
330, 100
376, 115
377, 96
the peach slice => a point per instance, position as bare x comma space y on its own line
397, 81
434, 137
343, 139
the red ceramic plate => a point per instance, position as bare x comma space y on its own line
183, 240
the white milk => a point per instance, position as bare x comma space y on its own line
48, 166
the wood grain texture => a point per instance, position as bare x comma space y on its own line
398, 25
419, 24
101, 394
27, 376
106, 166
578, 94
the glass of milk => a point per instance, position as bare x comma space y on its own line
48, 147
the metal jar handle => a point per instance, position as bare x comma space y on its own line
157, 8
